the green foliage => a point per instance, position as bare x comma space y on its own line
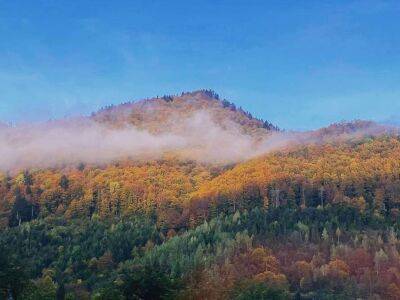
132, 259
42, 289
259, 291
13, 275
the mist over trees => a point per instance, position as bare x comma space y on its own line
310, 216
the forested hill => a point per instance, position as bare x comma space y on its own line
312, 215
193, 125
164, 114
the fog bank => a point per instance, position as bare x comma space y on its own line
198, 138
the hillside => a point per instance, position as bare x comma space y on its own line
363, 173
290, 215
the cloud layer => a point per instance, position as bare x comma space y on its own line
75, 141
198, 137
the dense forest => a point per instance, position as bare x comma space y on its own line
307, 221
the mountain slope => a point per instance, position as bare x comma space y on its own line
297, 215
177, 180
364, 174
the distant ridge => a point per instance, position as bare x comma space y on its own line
352, 130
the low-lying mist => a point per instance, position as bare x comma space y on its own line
198, 138
61, 143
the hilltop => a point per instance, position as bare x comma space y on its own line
164, 114
195, 126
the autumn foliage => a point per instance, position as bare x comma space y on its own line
310, 221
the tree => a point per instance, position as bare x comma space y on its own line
259, 291
379, 258
28, 179
42, 289
64, 182
338, 234
13, 276
22, 210
325, 235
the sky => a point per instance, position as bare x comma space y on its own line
299, 64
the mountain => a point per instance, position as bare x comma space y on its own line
192, 126
190, 197
164, 114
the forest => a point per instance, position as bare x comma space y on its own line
307, 221
317, 222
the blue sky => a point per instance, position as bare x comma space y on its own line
299, 64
